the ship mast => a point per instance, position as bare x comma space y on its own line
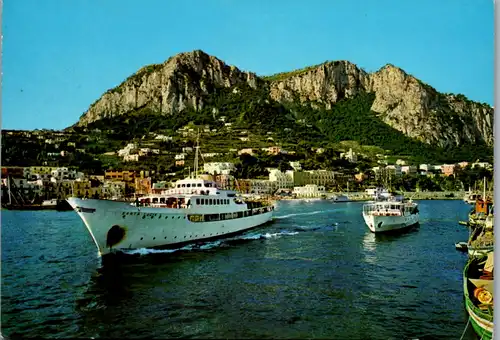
197, 147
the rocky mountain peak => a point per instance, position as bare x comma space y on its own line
401, 100
169, 87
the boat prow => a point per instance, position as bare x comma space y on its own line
478, 286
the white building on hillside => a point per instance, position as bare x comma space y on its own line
309, 190
296, 166
280, 180
127, 149
223, 168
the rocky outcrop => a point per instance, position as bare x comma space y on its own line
401, 100
169, 87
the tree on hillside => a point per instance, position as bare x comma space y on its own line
284, 166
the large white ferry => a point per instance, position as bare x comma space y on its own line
194, 210
391, 214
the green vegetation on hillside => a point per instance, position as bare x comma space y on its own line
232, 113
284, 75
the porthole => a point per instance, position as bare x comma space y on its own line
166, 217
165, 237
143, 216
175, 236
154, 238
178, 217
184, 236
142, 238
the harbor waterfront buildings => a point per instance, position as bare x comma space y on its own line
61, 182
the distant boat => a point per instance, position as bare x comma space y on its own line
391, 214
478, 286
471, 198
462, 246
53, 204
340, 198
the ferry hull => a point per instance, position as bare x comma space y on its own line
380, 224
117, 226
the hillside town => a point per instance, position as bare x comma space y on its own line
46, 182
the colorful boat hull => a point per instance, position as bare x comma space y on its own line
481, 322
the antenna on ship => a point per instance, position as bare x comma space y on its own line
197, 147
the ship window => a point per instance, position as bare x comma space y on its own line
178, 185
210, 202
197, 201
183, 185
218, 201
155, 200
162, 199
188, 185
199, 185
202, 201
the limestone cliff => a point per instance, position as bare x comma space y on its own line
169, 87
401, 100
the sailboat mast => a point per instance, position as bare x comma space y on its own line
484, 188
8, 189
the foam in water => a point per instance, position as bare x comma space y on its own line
267, 235
300, 214
208, 245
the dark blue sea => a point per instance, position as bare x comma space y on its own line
316, 272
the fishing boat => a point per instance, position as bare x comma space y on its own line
478, 284
390, 214
194, 210
482, 209
481, 239
471, 197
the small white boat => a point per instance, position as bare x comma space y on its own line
49, 204
471, 198
340, 198
462, 246
389, 215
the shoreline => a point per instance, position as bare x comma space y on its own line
361, 196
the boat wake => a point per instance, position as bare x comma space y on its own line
304, 214
211, 245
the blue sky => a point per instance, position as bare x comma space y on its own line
59, 56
